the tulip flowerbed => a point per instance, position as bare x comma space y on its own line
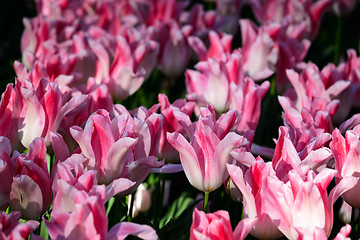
165, 119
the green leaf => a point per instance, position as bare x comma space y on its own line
109, 206
43, 230
177, 208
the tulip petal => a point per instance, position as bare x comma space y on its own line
122, 230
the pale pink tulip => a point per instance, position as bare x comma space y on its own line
222, 82
69, 64
246, 98
271, 49
204, 157
142, 201
211, 85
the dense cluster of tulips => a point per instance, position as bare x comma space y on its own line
80, 161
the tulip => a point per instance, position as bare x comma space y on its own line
258, 50
30, 189
142, 201
10, 228
217, 226
274, 49
251, 185
6, 172
101, 144
286, 157
346, 154
40, 110
205, 156
223, 84
111, 147
174, 53
220, 45
344, 233
7, 128
86, 219
304, 17
176, 118
315, 84
132, 64
301, 207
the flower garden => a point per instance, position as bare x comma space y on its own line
170, 119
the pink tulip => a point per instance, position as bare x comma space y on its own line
7, 172
7, 128
10, 228
100, 141
30, 189
220, 45
205, 156
309, 128
176, 118
174, 52
202, 21
259, 51
86, 219
102, 137
344, 233
69, 64
217, 226
223, 84
302, 207
246, 98
274, 49
70, 176
345, 151
313, 84
38, 111
132, 64
251, 185
211, 85
286, 157
304, 16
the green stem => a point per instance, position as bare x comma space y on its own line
337, 41
206, 202
242, 212
273, 86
